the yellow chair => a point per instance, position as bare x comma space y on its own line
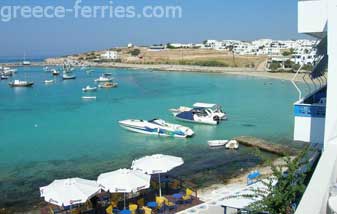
188, 195
160, 201
75, 211
133, 208
141, 202
168, 203
109, 210
147, 210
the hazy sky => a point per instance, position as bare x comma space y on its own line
201, 19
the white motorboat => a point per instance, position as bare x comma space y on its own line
49, 81
104, 79
67, 76
19, 83
217, 143
215, 109
157, 127
232, 144
88, 89
89, 97
55, 72
198, 115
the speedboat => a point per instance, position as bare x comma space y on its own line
49, 81
198, 115
19, 83
55, 72
217, 143
88, 89
103, 79
67, 76
214, 108
157, 127
232, 144
108, 85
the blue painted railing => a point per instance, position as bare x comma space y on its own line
305, 110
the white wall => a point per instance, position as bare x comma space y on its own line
309, 129
312, 16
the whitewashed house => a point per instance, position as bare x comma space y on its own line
110, 55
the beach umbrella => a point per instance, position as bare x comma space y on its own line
157, 164
69, 192
124, 181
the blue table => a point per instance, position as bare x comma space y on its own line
125, 212
152, 204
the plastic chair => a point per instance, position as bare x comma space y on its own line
147, 210
160, 201
187, 198
141, 202
169, 204
133, 208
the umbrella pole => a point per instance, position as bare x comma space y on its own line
124, 201
159, 186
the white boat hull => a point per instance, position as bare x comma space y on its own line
143, 127
217, 143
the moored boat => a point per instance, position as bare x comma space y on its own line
232, 144
19, 83
198, 115
67, 76
103, 79
108, 85
88, 89
49, 81
89, 97
55, 72
157, 127
217, 143
215, 109
3, 77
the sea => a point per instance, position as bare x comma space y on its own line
48, 132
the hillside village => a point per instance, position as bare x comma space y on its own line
271, 55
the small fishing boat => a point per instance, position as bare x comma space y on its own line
232, 144
89, 97
88, 89
108, 85
55, 72
107, 74
3, 77
67, 76
103, 79
19, 83
217, 143
49, 81
157, 127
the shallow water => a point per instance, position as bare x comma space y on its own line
49, 132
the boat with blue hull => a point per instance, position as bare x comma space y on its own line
157, 127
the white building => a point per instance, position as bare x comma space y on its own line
110, 55
317, 123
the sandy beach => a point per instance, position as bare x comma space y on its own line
252, 72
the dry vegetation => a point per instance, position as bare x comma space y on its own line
200, 57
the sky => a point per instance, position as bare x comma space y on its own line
201, 20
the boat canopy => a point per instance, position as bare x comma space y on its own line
204, 105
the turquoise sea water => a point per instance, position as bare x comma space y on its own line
48, 132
